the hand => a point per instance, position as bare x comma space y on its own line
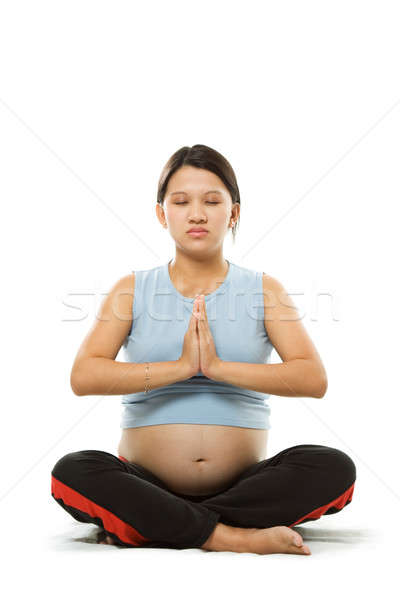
190, 358
209, 361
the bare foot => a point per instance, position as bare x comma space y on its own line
269, 540
274, 540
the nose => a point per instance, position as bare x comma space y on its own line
197, 216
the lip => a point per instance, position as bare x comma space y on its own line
197, 232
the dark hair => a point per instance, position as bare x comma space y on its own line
202, 157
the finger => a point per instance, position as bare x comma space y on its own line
200, 313
203, 310
194, 321
202, 335
195, 314
205, 332
203, 329
193, 318
197, 307
200, 321
201, 306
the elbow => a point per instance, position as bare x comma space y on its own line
75, 388
322, 388
80, 378
320, 380
76, 383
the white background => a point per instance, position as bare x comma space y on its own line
303, 99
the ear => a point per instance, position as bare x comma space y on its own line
235, 211
161, 215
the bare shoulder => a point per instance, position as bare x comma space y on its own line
275, 293
112, 323
284, 325
121, 295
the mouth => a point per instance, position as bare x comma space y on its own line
197, 232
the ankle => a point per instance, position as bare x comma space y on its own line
224, 538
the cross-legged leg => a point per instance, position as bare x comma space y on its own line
299, 484
128, 502
135, 508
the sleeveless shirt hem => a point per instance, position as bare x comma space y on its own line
229, 422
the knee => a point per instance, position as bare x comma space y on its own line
67, 466
74, 465
341, 467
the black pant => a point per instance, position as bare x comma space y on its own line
135, 508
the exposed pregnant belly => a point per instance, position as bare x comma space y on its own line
194, 459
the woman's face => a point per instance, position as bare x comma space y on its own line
197, 198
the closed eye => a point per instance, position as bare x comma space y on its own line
209, 202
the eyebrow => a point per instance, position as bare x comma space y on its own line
209, 192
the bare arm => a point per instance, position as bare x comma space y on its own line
298, 377
95, 370
301, 373
105, 376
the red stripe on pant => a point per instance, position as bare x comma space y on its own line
338, 503
126, 533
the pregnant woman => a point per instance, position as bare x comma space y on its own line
192, 468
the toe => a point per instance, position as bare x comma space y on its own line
297, 539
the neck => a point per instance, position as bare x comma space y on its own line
188, 268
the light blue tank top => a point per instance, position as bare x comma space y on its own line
161, 315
